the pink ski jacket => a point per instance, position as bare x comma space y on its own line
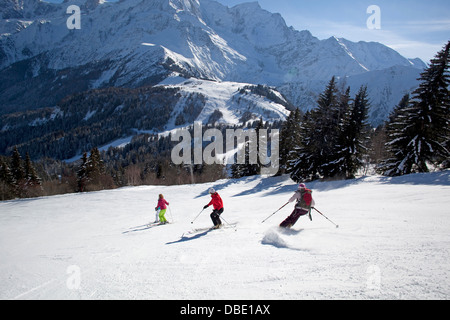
162, 204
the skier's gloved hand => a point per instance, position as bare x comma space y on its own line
205, 207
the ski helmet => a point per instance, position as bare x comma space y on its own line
301, 186
212, 191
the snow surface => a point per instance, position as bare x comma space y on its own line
393, 243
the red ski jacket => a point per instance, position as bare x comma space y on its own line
216, 201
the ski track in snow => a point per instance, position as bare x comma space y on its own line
393, 243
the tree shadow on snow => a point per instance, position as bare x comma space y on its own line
269, 188
228, 183
433, 178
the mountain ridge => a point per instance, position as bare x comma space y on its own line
134, 43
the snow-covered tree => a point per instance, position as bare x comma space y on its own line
303, 166
289, 137
353, 137
396, 140
246, 169
418, 132
91, 172
318, 133
315, 152
327, 118
333, 138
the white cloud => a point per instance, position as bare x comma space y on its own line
395, 37
423, 50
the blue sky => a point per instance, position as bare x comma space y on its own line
415, 28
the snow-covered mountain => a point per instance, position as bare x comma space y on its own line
133, 43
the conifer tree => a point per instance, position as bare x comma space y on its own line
255, 168
95, 167
16, 166
319, 130
82, 173
6, 181
5, 172
353, 138
396, 140
418, 131
303, 166
289, 136
432, 106
31, 177
327, 118
246, 169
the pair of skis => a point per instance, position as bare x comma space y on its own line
198, 231
228, 226
155, 224
143, 227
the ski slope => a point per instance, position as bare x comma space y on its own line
393, 243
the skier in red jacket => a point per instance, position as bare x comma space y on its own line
217, 204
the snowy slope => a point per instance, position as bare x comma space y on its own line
226, 100
393, 243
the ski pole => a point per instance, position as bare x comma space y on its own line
197, 216
326, 217
274, 213
228, 223
171, 216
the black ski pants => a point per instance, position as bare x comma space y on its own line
215, 216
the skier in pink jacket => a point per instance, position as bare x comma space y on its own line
162, 207
303, 205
